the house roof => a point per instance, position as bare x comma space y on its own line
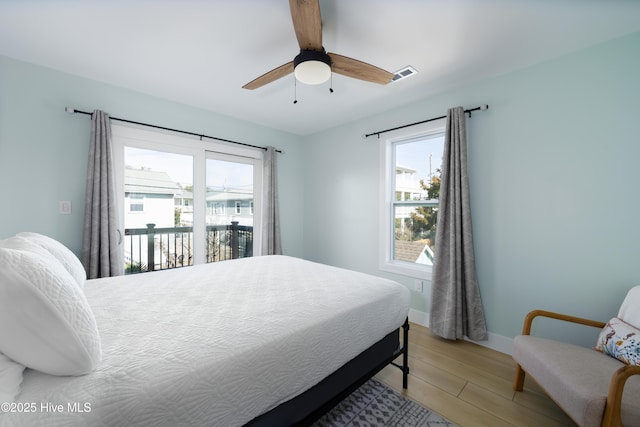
404, 168
409, 251
228, 195
147, 181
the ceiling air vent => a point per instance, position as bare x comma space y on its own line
403, 73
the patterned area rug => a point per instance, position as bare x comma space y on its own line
375, 404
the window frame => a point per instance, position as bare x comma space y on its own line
171, 142
139, 202
387, 200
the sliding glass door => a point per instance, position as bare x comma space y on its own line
183, 204
230, 207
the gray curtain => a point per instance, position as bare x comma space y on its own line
456, 306
101, 252
270, 223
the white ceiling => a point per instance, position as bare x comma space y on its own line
200, 52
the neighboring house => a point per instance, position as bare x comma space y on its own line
407, 187
227, 206
417, 251
222, 207
152, 197
183, 203
149, 198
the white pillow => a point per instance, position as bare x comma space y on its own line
630, 308
67, 258
22, 244
10, 379
45, 320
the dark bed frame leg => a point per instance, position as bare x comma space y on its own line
405, 354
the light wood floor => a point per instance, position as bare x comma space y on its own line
471, 385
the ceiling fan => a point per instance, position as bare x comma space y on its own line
313, 65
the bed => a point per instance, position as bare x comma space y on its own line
270, 340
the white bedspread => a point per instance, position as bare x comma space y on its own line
214, 344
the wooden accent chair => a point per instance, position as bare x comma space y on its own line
595, 386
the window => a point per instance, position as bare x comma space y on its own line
136, 202
410, 193
179, 199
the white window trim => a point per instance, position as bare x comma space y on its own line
134, 136
387, 173
257, 190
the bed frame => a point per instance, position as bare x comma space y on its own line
309, 406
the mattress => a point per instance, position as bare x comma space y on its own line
214, 344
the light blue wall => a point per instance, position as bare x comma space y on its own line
554, 177
43, 150
553, 166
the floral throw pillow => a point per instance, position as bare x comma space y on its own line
620, 340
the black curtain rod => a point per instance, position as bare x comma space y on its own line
73, 110
482, 107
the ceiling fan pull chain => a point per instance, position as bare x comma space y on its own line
295, 91
331, 84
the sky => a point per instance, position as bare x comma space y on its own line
415, 154
180, 168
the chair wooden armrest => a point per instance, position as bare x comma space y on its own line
528, 320
518, 382
612, 412
613, 406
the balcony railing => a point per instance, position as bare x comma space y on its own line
149, 249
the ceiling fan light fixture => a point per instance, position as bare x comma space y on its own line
312, 67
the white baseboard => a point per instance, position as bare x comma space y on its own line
495, 342
419, 317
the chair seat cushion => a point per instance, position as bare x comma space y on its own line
576, 378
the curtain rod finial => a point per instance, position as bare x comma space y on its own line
484, 107
70, 110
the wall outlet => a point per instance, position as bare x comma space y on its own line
418, 285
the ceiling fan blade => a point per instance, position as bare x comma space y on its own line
307, 22
359, 70
270, 76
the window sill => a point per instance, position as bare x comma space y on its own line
406, 269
